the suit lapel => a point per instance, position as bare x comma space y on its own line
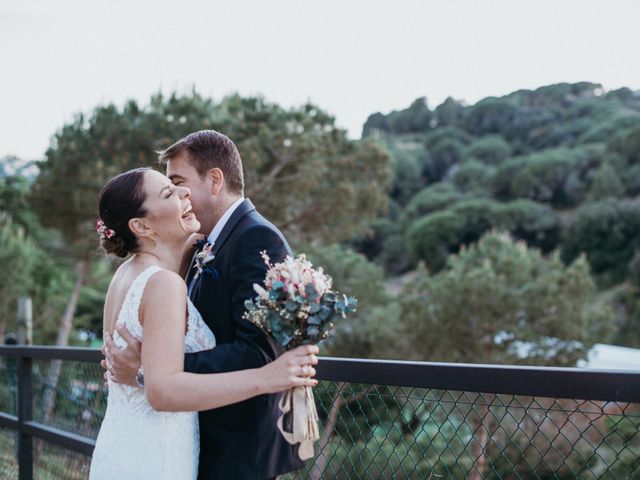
191, 271
245, 207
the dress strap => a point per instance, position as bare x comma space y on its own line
130, 314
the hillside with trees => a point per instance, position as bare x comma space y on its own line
509, 228
557, 168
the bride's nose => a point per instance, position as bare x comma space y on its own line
185, 192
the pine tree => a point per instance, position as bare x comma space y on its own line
606, 184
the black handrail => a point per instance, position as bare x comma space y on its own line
72, 354
554, 382
583, 384
575, 383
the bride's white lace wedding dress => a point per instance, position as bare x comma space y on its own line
135, 441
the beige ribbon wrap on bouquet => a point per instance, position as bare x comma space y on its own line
300, 402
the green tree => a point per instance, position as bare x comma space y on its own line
17, 259
472, 177
414, 119
407, 156
433, 237
491, 115
440, 134
395, 256
435, 197
443, 155
627, 143
29, 272
449, 112
15, 185
606, 184
608, 232
491, 150
559, 176
614, 122
536, 224
500, 302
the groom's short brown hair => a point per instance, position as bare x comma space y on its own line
209, 149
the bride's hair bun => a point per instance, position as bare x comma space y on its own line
120, 200
115, 246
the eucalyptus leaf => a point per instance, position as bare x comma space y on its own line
282, 338
324, 312
292, 306
311, 292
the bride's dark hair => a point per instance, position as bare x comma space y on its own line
121, 200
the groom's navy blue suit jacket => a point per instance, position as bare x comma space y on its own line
240, 441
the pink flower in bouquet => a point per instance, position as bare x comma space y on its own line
295, 275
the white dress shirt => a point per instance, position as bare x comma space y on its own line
215, 233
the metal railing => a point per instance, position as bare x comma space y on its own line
379, 419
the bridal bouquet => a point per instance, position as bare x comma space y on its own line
297, 307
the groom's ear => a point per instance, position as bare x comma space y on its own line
217, 180
139, 227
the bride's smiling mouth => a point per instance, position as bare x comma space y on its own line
188, 213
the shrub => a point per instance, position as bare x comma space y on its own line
608, 232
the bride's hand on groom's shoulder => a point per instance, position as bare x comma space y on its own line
122, 365
292, 369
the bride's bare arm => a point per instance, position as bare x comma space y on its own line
169, 388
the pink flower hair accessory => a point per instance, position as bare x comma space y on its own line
103, 230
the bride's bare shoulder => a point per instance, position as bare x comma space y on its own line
164, 294
166, 283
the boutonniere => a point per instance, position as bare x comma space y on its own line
203, 257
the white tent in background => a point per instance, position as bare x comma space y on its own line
612, 357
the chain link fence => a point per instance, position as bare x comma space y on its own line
379, 432
78, 407
372, 431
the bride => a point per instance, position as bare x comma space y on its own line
151, 432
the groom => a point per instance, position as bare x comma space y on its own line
240, 441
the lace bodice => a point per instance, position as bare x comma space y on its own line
136, 441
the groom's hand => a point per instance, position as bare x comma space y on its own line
122, 365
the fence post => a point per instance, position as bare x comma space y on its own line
25, 321
25, 441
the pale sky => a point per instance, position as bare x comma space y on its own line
350, 57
